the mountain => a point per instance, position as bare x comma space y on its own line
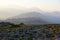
54, 14
29, 18
36, 16
1, 20
54, 17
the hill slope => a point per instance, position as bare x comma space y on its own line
36, 17
30, 18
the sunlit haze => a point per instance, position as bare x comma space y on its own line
10, 8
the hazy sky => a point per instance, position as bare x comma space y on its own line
15, 5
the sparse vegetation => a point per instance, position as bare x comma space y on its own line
11, 31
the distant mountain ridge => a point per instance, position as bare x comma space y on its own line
36, 17
30, 18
